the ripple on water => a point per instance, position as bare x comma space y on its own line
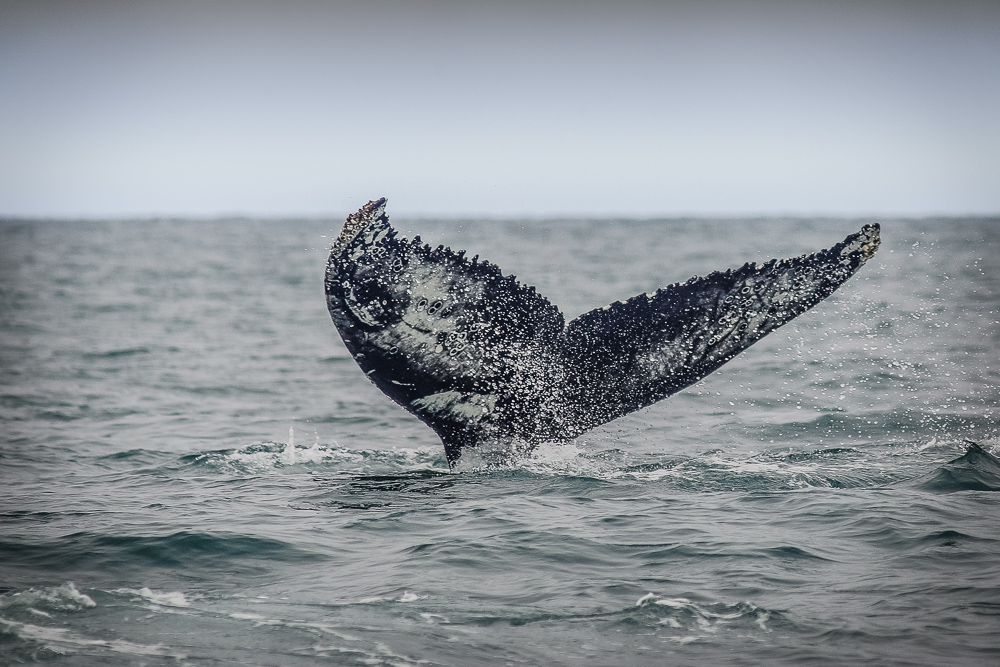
125, 555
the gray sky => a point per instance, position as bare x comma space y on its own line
499, 108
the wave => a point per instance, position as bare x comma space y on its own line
405, 481
264, 457
47, 599
718, 470
115, 354
674, 618
28, 642
976, 470
702, 620
31, 633
362, 474
157, 598
195, 552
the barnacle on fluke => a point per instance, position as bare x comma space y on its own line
490, 364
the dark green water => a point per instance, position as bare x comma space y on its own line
193, 471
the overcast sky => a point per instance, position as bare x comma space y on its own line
500, 108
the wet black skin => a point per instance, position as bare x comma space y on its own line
490, 364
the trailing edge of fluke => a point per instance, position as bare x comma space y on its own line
491, 365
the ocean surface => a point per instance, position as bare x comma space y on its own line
194, 471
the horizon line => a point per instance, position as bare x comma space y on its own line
539, 217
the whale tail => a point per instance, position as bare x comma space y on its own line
633, 353
489, 363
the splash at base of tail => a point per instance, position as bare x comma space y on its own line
490, 364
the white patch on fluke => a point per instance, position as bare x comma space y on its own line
456, 406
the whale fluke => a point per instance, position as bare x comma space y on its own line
489, 363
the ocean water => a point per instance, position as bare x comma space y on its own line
193, 470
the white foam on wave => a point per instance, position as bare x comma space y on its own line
554, 455
573, 459
64, 641
255, 459
259, 620
955, 446
775, 470
434, 618
159, 598
557, 459
931, 443
55, 598
713, 469
243, 616
702, 620
268, 457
